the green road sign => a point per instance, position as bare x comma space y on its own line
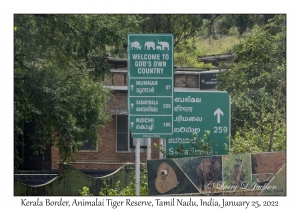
150, 55
195, 112
150, 126
151, 85
150, 105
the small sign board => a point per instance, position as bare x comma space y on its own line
208, 80
150, 87
150, 106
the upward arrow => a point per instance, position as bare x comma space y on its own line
218, 112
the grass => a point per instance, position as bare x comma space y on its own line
186, 53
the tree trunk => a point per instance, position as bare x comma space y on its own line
213, 28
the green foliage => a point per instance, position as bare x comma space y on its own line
186, 52
229, 29
242, 22
256, 140
202, 146
182, 26
108, 191
85, 191
213, 47
129, 190
224, 23
59, 63
252, 83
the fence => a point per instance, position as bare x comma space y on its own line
72, 180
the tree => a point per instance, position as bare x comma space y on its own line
182, 26
260, 61
226, 22
59, 61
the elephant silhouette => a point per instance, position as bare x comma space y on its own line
158, 47
208, 172
149, 45
135, 45
163, 45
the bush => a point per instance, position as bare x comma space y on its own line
129, 190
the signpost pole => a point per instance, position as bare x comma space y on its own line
137, 166
165, 148
161, 144
148, 148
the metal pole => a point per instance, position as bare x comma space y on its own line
137, 166
149, 149
161, 144
274, 120
164, 155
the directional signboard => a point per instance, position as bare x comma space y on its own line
151, 126
150, 106
195, 112
150, 86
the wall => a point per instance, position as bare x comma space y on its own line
73, 180
187, 79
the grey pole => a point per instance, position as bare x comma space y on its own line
137, 166
148, 148
161, 144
